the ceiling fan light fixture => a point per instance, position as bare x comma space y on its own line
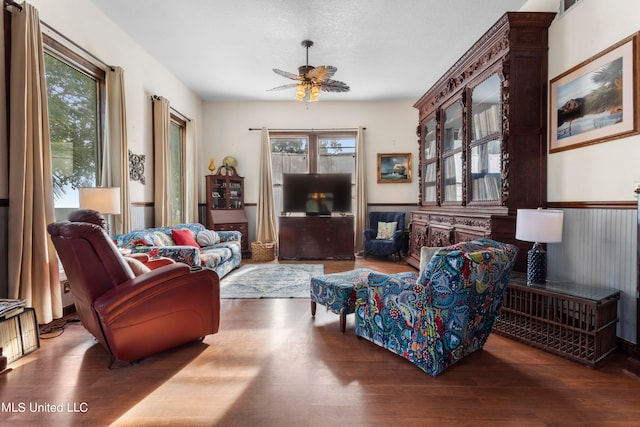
315, 92
312, 80
300, 92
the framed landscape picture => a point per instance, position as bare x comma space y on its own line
394, 168
597, 100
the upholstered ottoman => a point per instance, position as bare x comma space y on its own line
337, 292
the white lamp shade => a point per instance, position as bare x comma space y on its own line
105, 200
539, 225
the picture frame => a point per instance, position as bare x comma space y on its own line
597, 100
565, 5
394, 168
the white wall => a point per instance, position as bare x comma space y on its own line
390, 128
87, 26
607, 171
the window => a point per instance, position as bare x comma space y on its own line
177, 128
74, 95
313, 152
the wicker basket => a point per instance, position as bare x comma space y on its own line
263, 251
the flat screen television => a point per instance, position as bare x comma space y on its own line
316, 193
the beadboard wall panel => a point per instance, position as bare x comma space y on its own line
141, 216
599, 248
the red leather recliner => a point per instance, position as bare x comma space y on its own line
134, 317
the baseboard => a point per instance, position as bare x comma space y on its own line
633, 364
69, 310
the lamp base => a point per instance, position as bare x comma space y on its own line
537, 265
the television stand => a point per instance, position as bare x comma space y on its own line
316, 237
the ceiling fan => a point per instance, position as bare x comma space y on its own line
312, 80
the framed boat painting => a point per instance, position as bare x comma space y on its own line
394, 168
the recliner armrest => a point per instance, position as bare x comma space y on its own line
116, 297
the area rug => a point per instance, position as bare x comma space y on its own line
269, 281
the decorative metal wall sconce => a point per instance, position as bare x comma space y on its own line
136, 167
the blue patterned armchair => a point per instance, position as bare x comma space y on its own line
447, 314
379, 243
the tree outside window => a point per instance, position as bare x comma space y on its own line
73, 97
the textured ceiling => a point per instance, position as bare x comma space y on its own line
226, 50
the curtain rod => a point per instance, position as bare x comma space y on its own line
50, 28
12, 3
308, 130
182, 116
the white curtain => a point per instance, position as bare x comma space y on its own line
161, 172
361, 192
115, 154
33, 263
266, 230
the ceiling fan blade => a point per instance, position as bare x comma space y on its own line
323, 72
288, 86
286, 74
333, 86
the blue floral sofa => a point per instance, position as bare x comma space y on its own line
447, 314
222, 256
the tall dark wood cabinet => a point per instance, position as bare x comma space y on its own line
225, 204
483, 139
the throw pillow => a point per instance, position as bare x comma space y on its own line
163, 238
136, 266
207, 238
386, 230
183, 237
426, 253
157, 241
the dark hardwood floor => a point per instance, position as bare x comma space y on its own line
271, 364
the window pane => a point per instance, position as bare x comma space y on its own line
288, 155
337, 155
73, 123
175, 167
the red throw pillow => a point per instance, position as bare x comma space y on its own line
184, 238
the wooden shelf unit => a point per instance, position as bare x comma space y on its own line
482, 139
574, 321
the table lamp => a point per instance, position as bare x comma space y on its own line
538, 226
105, 200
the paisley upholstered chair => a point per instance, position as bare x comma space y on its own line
444, 316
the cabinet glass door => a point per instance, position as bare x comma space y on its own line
235, 195
485, 141
219, 194
452, 153
429, 160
